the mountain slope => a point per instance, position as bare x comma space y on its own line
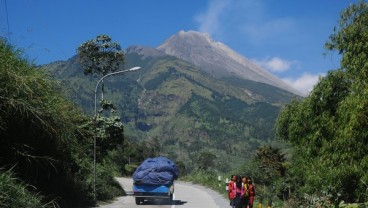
182, 110
217, 59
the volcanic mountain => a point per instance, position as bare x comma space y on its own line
218, 59
202, 101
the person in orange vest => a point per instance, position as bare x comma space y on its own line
231, 191
252, 192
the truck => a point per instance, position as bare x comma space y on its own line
143, 192
154, 179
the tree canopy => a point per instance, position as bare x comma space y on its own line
328, 130
100, 55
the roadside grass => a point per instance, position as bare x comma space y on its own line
211, 180
15, 193
106, 186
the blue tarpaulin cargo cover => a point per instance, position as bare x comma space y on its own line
156, 171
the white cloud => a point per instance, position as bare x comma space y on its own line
228, 16
275, 64
246, 19
209, 21
304, 83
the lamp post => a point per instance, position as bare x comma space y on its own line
95, 124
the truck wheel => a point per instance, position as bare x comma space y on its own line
171, 198
137, 201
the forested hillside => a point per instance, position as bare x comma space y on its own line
180, 110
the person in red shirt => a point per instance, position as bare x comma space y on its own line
231, 191
236, 191
239, 192
252, 192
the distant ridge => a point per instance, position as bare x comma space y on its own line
218, 59
145, 51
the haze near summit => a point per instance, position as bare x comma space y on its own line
277, 41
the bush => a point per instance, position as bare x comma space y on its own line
106, 186
14, 193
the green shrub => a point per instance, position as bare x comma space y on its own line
14, 193
106, 186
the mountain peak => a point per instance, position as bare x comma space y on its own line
192, 33
217, 59
190, 37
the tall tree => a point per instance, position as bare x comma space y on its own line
271, 163
100, 56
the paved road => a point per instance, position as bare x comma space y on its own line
186, 195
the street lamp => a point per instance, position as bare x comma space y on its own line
95, 124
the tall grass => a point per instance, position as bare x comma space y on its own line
15, 193
42, 136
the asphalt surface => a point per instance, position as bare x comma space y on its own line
186, 195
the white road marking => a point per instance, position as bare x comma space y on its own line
173, 206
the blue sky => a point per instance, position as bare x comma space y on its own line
285, 37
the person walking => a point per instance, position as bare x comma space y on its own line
239, 192
232, 191
245, 198
252, 192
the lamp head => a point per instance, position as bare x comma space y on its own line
135, 68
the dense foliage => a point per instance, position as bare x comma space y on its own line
100, 55
14, 193
45, 141
328, 130
38, 135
